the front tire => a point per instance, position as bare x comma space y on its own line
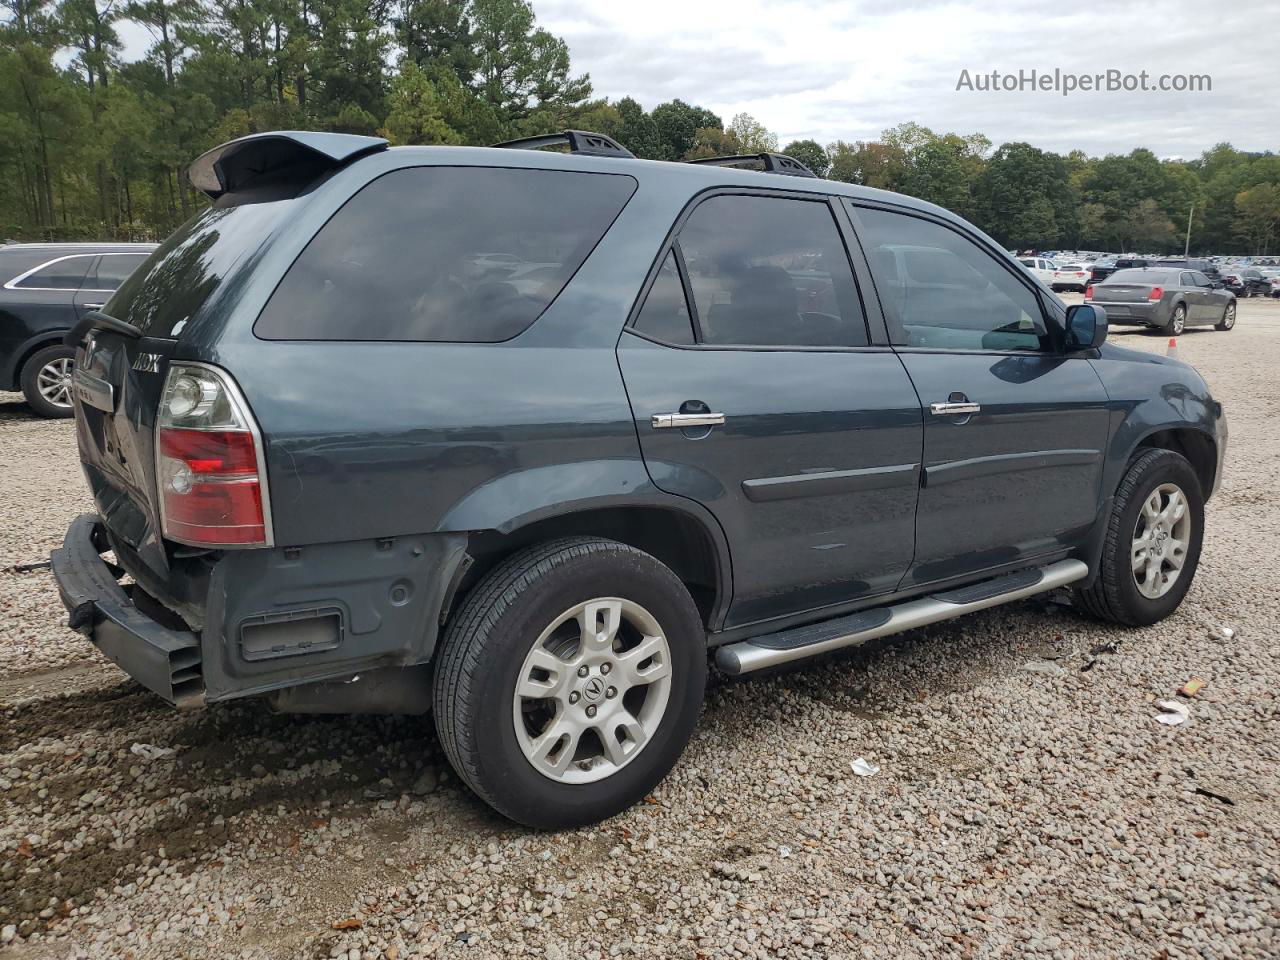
1228, 318
569, 682
1152, 542
46, 381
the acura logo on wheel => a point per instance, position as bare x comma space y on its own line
594, 689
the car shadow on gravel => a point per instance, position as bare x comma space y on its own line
289, 773
14, 407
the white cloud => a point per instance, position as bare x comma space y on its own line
835, 69
847, 69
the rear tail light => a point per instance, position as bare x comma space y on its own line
1088, 292
209, 462
1156, 293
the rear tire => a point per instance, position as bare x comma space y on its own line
1142, 576
1228, 318
1178, 322
46, 381
533, 674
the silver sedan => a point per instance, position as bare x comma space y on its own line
1167, 299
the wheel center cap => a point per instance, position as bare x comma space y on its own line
593, 690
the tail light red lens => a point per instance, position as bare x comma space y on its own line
1088, 292
1156, 293
209, 462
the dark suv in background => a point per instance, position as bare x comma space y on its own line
517, 436
45, 288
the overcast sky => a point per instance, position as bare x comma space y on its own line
847, 69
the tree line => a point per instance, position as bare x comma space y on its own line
93, 147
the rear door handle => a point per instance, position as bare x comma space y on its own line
662, 421
952, 409
93, 306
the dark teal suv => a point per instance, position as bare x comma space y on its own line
519, 436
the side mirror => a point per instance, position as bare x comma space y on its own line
1218, 285
1086, 326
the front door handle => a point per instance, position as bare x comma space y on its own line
93, 306
662, 421
953, 409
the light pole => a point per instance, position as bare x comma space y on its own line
1186, 250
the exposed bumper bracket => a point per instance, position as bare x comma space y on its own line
163, 660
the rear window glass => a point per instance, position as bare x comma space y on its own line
65, 273
114, 269
189, 268
463, 254
1142, 276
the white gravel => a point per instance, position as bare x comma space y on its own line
1019, 810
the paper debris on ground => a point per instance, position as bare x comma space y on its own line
863, 768
1172, 713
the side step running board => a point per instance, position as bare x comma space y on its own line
800, 642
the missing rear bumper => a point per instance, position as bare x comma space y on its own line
164, 660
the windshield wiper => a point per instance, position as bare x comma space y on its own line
97, 320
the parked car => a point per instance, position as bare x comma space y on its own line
1099, 270
1166, 300
44, 289
1247, 282
343, 472
1040, 267
1205, 266
1071, 276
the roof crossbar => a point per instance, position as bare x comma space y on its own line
579, 141
769, 162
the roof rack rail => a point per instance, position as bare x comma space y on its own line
579, 141
770, 162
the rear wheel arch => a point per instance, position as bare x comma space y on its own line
13, 376
689, 545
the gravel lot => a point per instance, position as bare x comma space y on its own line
1017, 811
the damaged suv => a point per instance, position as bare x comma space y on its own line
516, 437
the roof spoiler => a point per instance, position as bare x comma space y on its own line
270, 157
578, 141
769, 162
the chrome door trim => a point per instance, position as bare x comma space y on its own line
954, 409
662, 421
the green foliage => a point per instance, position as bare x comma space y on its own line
1258, 216
677, 124
751, 135
811, 154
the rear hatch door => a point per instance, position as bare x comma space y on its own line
119, 377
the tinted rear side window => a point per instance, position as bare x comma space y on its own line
771, 271
665, 314
65, 273
114, 269
463, 254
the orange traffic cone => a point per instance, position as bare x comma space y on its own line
1173, 348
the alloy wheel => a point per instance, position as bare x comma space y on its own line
54, 381
592, 691
1161, 539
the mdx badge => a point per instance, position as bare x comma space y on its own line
147, 362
